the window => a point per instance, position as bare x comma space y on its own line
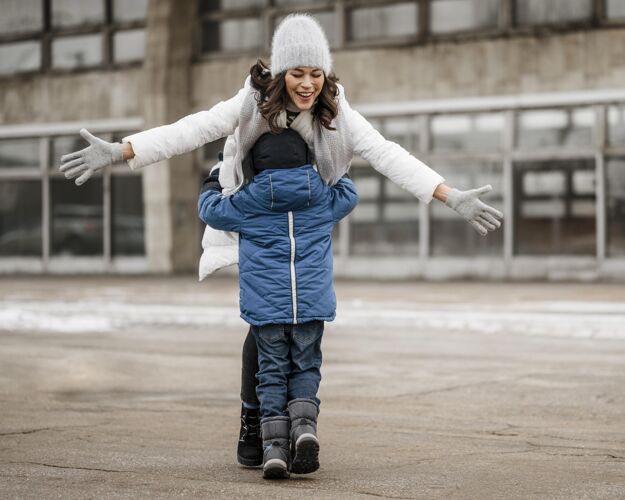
615, 9
294, 3
450, 235
555, 128
68, 13
127, 215
124, 11
20, 218
467, 132
75, 33
19, 57
448, 16
217, 5
20, 16
129, 45
77, 52
19, 153
231, 35
383, 22
404, 130
386, 220
616, 125
77, 217
554, 212
615, 192
533, 12
74, 217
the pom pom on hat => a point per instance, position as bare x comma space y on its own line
299, 40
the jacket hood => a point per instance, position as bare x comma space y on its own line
283, 190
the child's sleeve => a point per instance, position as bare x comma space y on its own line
344, 198
219, 212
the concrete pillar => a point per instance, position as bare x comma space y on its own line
170, 187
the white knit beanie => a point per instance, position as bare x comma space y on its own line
299, 40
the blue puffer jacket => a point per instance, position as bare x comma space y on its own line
284, 218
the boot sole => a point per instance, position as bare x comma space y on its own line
306, 458
275, 469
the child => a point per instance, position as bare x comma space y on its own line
284, 218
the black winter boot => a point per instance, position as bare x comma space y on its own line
304, 443
276, 453
250, 446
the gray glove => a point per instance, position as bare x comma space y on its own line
481, 216
86, 162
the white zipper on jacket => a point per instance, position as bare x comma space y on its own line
293, 277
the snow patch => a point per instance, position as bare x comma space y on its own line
602, 320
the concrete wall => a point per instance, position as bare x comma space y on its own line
69, 97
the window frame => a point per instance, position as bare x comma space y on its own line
46, 262
506, 26
107, 30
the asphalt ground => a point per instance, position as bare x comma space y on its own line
127, 387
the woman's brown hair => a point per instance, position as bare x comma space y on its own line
273, 97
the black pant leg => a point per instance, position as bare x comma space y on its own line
249, 369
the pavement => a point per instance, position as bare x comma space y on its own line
127, 387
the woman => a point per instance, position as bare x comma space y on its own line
299, 92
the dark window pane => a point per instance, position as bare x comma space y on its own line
20, 218
616, 125
370, 23
616, 9
134, 10
127, 209
217, 5
327, 20
383, 223
552, 11
231, 35
555, 128
21, 15
76, 12
129, 46
20, 57
554, 208
615, 186
475, 133
19, 153
449, 233
460, 15
76, 217
77, 51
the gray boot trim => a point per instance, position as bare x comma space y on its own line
276, 450
303, 414
275, 427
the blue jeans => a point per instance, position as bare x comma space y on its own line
289, 362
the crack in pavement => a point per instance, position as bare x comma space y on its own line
30, 431
41, 429
68, 467
601, 453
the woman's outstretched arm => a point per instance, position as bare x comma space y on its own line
156, 144
394, 162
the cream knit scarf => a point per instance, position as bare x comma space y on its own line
332, 149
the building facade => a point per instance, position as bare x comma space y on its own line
527, 95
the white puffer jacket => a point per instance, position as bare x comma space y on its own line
195, 130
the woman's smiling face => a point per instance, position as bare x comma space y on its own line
304, 86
